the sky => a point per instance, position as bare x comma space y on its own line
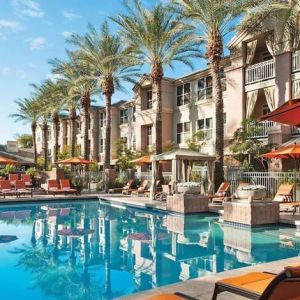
34, 31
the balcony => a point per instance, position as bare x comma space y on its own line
260, 72
296, 61
260, 131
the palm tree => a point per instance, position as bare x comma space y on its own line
80, 85
214, 19
103, 54
28, 112
158, 40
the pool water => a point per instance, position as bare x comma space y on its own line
92, 250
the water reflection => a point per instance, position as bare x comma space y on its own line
94, 251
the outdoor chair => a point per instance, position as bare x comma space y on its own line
284, 193
142, 189
222, 192
66, 187
6, 188
27, 179
53, 188
124, 190
254, 285
21, 189
12, 178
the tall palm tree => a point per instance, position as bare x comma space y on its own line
158, 40
28, 112
80, 85
214, 20
103, 54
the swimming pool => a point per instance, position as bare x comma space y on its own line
92, 250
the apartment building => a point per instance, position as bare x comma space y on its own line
258, 76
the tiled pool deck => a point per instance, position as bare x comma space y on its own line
200, 288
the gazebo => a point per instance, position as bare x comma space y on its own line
182, 164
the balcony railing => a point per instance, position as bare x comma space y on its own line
260, 72
296, 61
261, 130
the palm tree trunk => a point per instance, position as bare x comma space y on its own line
45, 145
157, 76
33, 130
85, 104
107, 131
73, 128
215, 50
55, 121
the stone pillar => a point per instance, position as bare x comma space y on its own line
283, 71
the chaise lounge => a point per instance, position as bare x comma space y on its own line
6, 188
221, 193
124, 190
21, 189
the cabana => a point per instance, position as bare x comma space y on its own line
182, 164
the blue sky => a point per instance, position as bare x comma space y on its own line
32, 32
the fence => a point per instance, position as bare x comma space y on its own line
260, 72
271, 180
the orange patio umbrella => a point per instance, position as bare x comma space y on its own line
144, 160
75, 161
292, 151
288, 113
7, 161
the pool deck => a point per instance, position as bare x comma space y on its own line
202, 288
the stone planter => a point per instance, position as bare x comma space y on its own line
255, 194
188, 189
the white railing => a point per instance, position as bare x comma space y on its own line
295, 130
260, 72
261, 130
296, 61
271, 180
148, 175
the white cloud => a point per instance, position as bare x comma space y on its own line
27, 8
37, 43
70, 16
20, 73
66, 34
53, 77
5, 71
12, 25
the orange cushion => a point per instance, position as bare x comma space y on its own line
249, 279
165, 297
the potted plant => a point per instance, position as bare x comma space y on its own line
189, 188
257, 192
77, 183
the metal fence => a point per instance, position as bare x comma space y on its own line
271, 180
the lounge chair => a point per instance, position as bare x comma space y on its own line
141, 190
53, 188
21, 189
254, 285
284, 193
12, 178
27, 179
66, 187
221, 193
263, 286
124, 190
6, 188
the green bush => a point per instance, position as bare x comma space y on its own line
8, 169
31, 171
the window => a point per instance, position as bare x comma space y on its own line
183, 94
124, 116
266, 56
101, 149
38, 137
49, 134
149, 99
133, 141
133, 114
125, 141
183, 132
206, 125
149, 136
102, 119
205, 88
265, 109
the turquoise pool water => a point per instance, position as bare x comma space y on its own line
91, 250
